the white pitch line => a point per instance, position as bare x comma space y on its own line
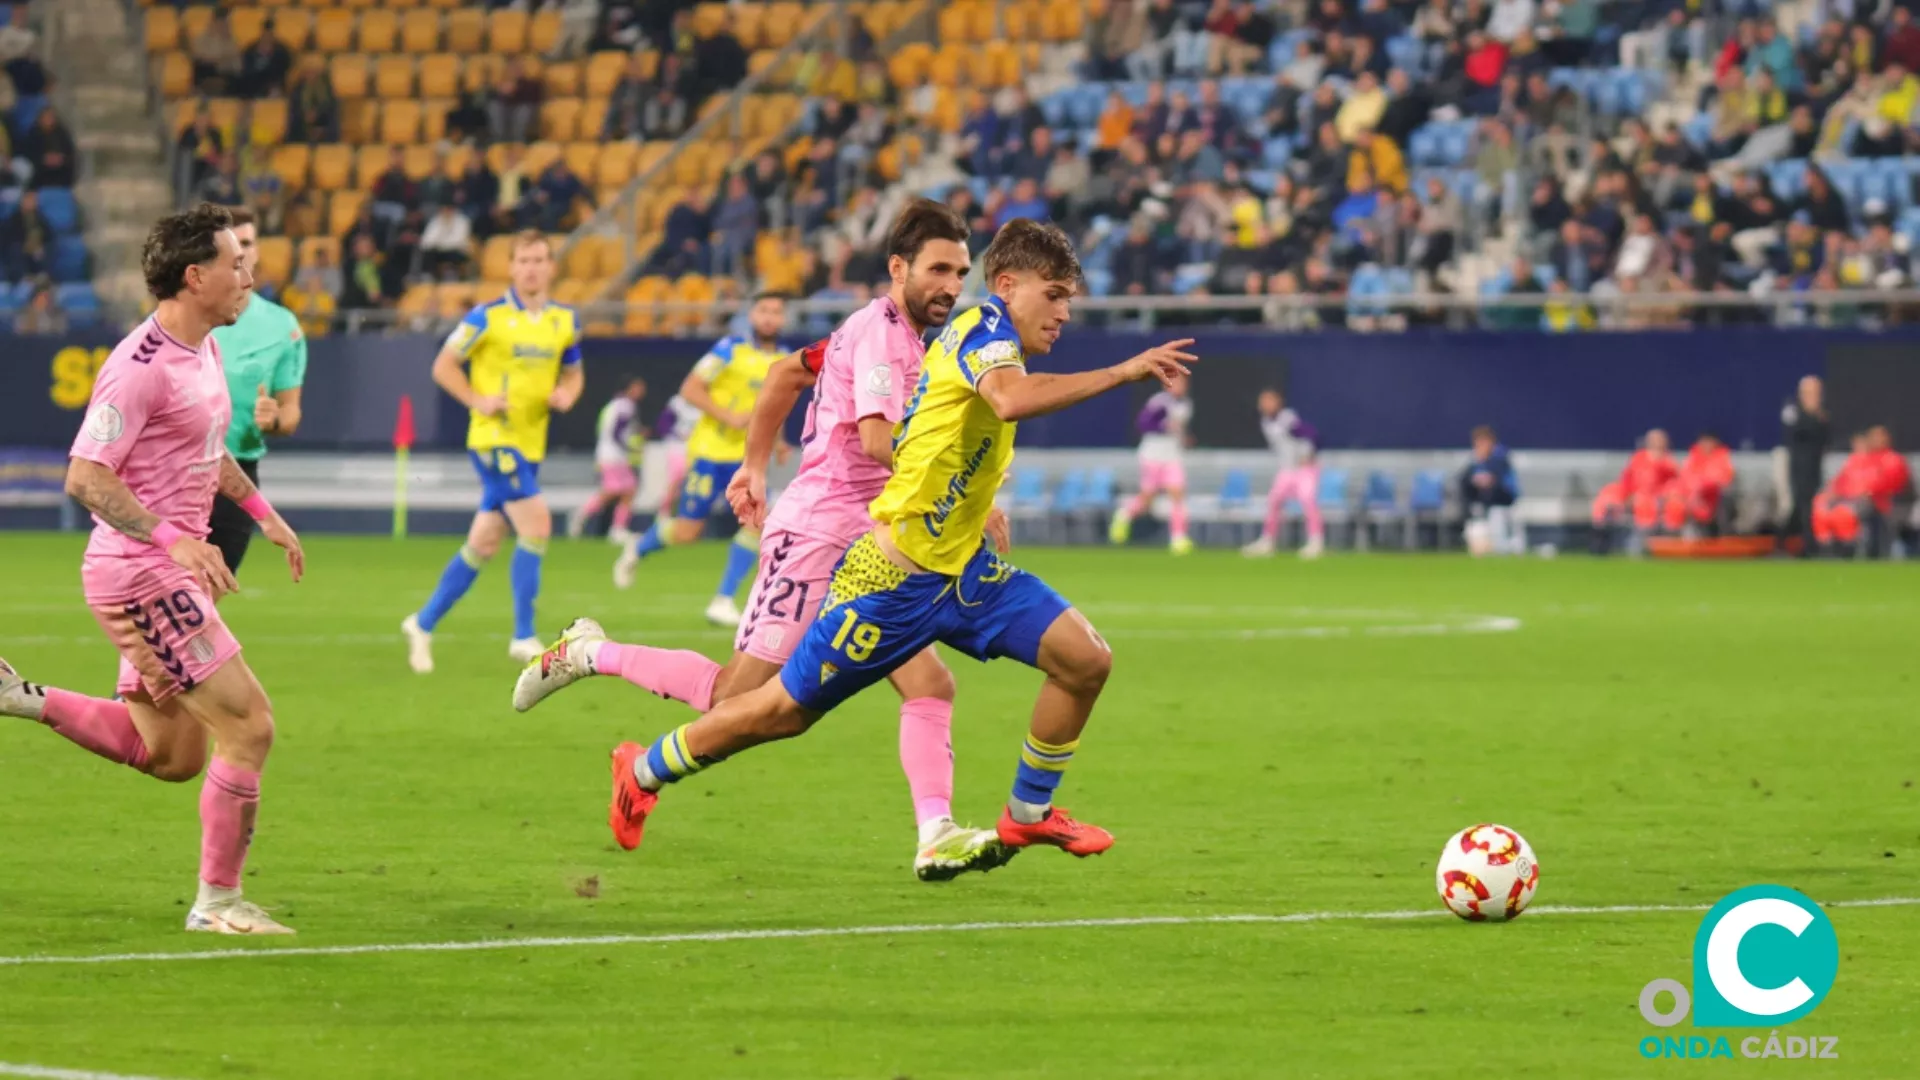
45, 1073
709, 936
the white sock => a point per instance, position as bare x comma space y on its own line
214, 894
931, 829
590, 652
644, 775
1027, 813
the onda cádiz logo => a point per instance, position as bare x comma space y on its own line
1764, 956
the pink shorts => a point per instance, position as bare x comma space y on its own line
616, 478
170, 636
795, 571
1163, 476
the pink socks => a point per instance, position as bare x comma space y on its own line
229, 801
926, 754
1177, 519
102, 726
679, 674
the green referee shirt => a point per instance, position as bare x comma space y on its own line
264, 348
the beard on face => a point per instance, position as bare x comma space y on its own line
927, 308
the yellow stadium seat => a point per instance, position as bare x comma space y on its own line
466, 30
693, 289
192, 21
997, 65
245, 22
343, 209
433, 118
379, 31
358, 3
417, 300
332, 166
420, 31
540, 155
543, 33
584, 159
507, 32
593, 118
783, 20
276, 259
648, 290
453, 299
404, 4
497, 157
946, 110
613, 259
651, 155
748, 21
173, 73
268, 124
225, 113
562, 80
759, 62
479, 72
560, 119
400, 121
333, 30
569, 290
952, 22
163, 29
314, 246
293, 26
907, 66
496, 258
393, 77
439, 75
583, 261
360, 120
290, 165
421, 160
1065, 20
690, 164
371, 162
349, 73
886, 161
721, 159
603, 72
183, 114
1023, 21
708, 18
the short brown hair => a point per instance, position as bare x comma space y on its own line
526, 238
923, 220
177, 241
1025, 244
240, 215
1485, 431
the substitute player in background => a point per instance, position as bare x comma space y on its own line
619, 443
1163, 441
147, 462
671, 429
724, 386
512, 363
265, 356
924, 574
860, 377
1295, 443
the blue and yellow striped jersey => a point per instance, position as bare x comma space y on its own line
734, 369
950, 451
517, 354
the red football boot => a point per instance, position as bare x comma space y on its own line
631, 804
1057, 829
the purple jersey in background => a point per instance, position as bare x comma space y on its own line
1293, 439
1163, 426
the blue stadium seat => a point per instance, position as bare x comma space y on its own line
1405, 51
1029, 489
80, 303
1072, 491
1236, 490
1054, 108
1099, 281
1101, 488
1429, 495
1275, 152
1380, 497
68, 260
1699, 130
62, 211
26, 109
1333, 489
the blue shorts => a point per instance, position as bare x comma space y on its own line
878, 616
505, 476
705, 484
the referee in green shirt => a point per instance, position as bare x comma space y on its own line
266, 361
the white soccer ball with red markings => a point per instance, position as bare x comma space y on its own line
1487, 873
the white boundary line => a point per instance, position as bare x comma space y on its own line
45, 1073
495, 944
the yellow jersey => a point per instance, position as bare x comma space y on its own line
950, 451
734, 370
517, 354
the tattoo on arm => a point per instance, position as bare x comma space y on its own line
109, 498
234, 483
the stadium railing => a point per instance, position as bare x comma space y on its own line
1859, 308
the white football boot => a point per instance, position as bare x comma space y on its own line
564, 663
1261, 548
524, 650
722, 611
233, 916
419, 645
956, 849
18, 697
1313, 548
625, 568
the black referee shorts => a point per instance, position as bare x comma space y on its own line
230, 527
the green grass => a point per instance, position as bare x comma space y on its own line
1662, 734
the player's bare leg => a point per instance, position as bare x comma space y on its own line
532, 525
1178, 542
946, 848
489, 528
1076, 662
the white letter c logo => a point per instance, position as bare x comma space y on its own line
1723, 957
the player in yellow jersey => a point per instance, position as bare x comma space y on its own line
512, 363
724, 386
924, 575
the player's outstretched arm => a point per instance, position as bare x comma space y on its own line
747, 491
450, 374
1016, 395
107, 496
235, 486
695, 390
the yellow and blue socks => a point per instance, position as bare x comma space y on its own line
667, 761
654, 539
743, 556
524, 575
455, 580
1041, 767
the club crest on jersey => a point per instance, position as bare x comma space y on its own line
828, 671
989, 356
104, 424
199, 650
880, 381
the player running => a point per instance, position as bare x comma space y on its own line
147, 462
512, 363
923, 574
671, 429
1296, 444
724, 386
863, 372
265, 356
1163, 441
619, 443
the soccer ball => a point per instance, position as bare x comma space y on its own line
1487, 874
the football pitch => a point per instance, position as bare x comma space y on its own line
1281, 751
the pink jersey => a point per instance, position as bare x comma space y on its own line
870, 367
158, 419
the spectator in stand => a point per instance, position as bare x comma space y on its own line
1380, 158
446, 247
48, 147
1117, 35
1636, 495
313, 113
1150, 61
221, 185
1113, 129
980, 138
513, 186
618, 31
1488, 489
1485, 62
735, 224
1408, 107
1025, 202
312, 295
719, 62
263, 70
1693, 504
216, 57
40, 316
514, 104
551, 202
477, 193
1253, 35
684, 246
395, 195
467, 121
25, 239
362, 288
17, 39
364, 225
664, 116
1030, 162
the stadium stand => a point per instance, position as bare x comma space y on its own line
45, 269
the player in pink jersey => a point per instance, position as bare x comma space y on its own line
862, 377
147, 462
